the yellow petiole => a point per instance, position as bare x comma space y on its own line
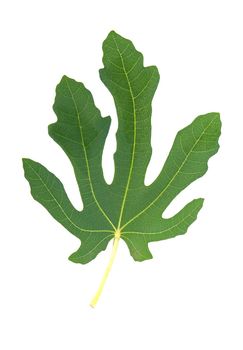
108, 269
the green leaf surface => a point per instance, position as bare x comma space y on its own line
126, 209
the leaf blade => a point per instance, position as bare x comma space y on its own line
75, 108
169, 228
161, 191
128, 80
47, 189
126, 209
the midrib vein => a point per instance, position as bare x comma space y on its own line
134, 136
172, 179
86, 159
61, 208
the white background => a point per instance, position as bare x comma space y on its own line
190, 296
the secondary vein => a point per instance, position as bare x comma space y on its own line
172, 179
87, 161
61, 208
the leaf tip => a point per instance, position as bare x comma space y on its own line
200, 201
215, 117
78, 259
64, 77
113, 33
51, 128
26, 162
140, 258
73, 258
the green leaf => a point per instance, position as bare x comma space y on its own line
126, 209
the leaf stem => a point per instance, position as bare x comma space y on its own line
97, 295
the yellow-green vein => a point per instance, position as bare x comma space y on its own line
165, 230
172, 179
61, 208
134, 135
86, 159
